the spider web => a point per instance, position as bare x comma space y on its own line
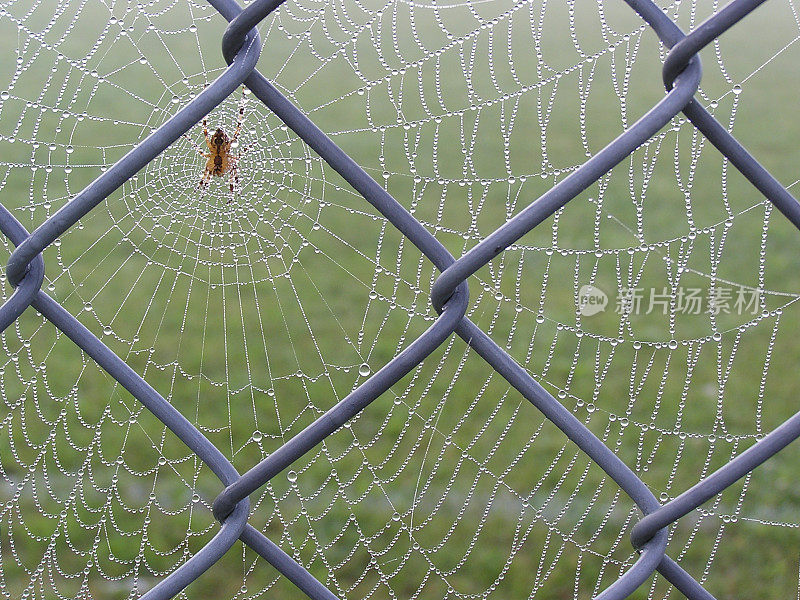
255, 316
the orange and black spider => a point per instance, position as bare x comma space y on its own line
221, 160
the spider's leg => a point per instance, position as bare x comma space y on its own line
203, 187
240, 118
197, 147
205, 134
233, 180
205, 179
241, 152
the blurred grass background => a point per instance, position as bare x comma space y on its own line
254, 317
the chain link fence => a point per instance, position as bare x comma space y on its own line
241, 47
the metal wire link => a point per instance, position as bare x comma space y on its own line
449, 295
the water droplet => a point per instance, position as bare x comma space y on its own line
4, 95
291, 476
364, 370
737, 89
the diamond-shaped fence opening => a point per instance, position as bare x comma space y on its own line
226, 328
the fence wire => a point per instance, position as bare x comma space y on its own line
241, 47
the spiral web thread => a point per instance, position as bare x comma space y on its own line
254, 317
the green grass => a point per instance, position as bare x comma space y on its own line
253, 317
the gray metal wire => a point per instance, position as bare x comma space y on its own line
450, 296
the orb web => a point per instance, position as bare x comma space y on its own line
254, 312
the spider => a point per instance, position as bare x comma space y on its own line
221, 160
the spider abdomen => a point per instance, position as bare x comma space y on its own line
220, 165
